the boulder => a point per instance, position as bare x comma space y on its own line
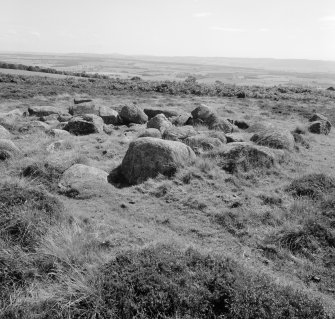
132, 113
319, 127
82, 181
42, 110
84, 108
331, 88
64, 117
109, 115
147, 157
320, 124
153, 112
4, 133
259, 126
180, 120
59, 133
179, 133
202, 142
274, 138
159, 122
220, 124
33, 127
151, 132
236, 157
8, 149
85, 124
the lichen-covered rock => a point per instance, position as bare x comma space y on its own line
235, 157
42, 110
4, 133
83, 181
150, 132
85, 124
159, 122
147, 157
319, 124
132, 113
179, 133
8, 149
274, 138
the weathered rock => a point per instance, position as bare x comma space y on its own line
244, 157
180, 120
220, 124
132, 113
85, 124
83, 181
217, 134
331, 88
147, 157
202, 142
64, 117
151, 132
319, 127
179, 133
235, 137
59, 133
34, 126
274, 138
109, 115
51, 117
243, 125
42, 110
84, 108
159, 122
58, 145
8, 149
153, 112
4, 133
259, 126
323, 128
81, 100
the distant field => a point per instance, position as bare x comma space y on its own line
22, 72
264, 72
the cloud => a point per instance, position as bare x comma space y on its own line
264, 30
202, 14
35, 34
328, 19
224, 29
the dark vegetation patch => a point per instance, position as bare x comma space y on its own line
313, 185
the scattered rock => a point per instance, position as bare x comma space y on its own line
81, 100
236, 157
85, 124
109, 115
8, 149
42, 110
52, 117
153, 112
259, 126
180, 120
320, 124
331, 88
84, 108
274, 138
34, 126
82, 181
64, 117
147, 157
58, 145
240, 124
235, 137
220, 124
132, 113
4, 133
241, 95
159, 122
59, 133
179, 133
151, 132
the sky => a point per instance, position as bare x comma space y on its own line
297, 29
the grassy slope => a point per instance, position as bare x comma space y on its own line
240, 216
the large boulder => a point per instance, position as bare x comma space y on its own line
4, 133
85, 124
179, 133
109, 115
202, 142
236, 157
159, 122
274, 138
83, 181
8, 149
84, 108
132, 113
150, 132
319, 124
147, 157
42, 110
